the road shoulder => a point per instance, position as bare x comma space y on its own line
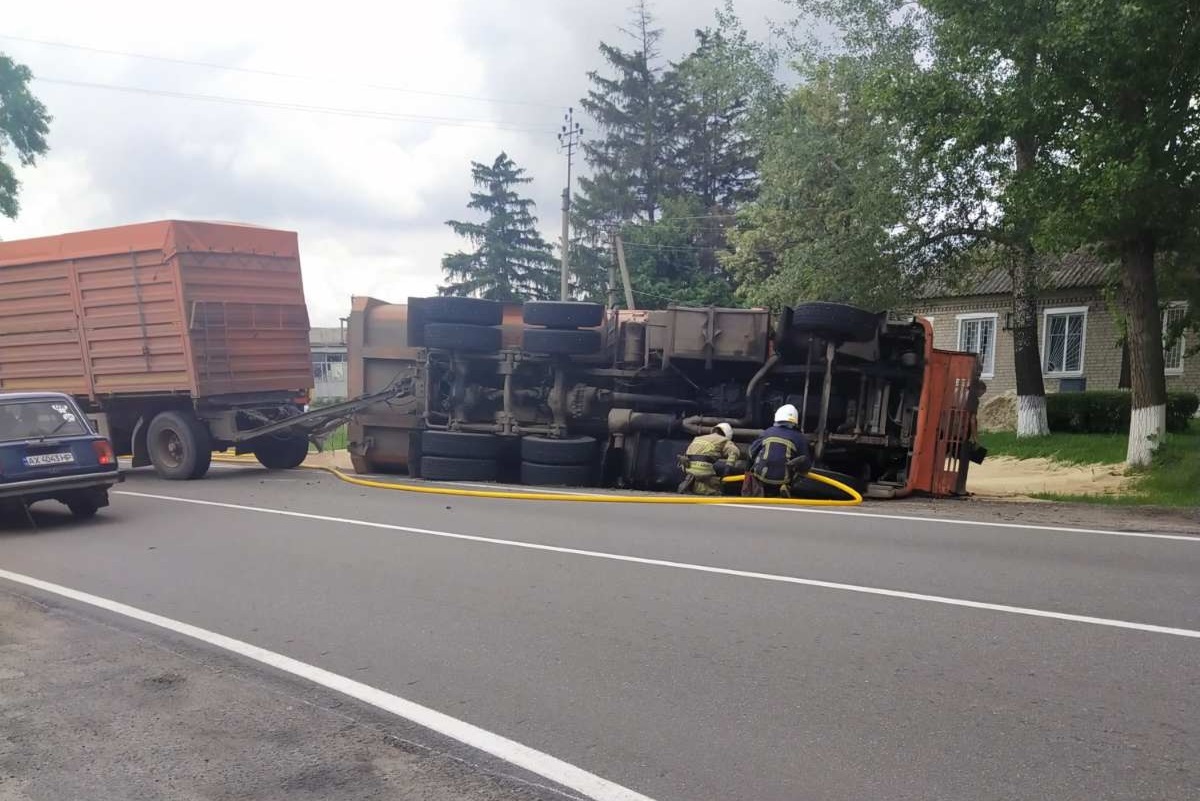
93, 708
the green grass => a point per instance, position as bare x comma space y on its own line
338, 440
1066, 448
1173, 479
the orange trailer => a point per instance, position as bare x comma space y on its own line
176, 336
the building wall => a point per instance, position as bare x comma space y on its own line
329, 363
1102, 348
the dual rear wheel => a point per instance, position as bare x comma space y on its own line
180, 447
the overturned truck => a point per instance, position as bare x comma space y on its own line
574, 394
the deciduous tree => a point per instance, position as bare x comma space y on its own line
24, 125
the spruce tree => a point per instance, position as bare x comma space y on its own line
511, 261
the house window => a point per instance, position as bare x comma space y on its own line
329, 366
977, 334
1063, 339
1173, 351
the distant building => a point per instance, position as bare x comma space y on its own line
328, 347
1079, 336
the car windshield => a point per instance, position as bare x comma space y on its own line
35, 419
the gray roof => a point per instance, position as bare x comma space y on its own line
1075, 271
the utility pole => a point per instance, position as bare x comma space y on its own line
568, 140
619, 247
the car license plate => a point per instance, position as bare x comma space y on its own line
49, 458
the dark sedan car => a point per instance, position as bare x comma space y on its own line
48, 451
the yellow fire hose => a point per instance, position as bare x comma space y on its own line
852, 499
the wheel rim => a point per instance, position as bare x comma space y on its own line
170, 448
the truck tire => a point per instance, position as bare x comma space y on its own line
460, 444
445, 468
557, 475
561, 343
275, 453
562, 314
567, 451
179, 446
809, 488
459, 336
467, 311
836, 320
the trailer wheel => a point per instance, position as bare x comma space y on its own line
457, 336
568, 451
561, 343
179, 446
562, 314
460, 444
468, 311
275, 453
557, 475
837, 320
445, 468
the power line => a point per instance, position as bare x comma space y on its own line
273, 73
660, 297
653, 246
698, 217
331, 110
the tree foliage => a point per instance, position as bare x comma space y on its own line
677, 153
1129, 171
511, 261
631, 161
24, 125
829, 222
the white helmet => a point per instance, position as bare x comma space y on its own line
724, 429
787, 414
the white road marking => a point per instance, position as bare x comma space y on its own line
544, 765
724, 571
956, 522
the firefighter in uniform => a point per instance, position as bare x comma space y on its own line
707, 460
778, 457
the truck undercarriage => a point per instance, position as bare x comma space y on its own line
612, 397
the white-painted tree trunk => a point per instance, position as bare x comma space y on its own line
1031, 416
1146, 428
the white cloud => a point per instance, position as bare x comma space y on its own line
368, 196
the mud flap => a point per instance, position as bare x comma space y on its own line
141, 453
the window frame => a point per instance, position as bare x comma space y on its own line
989, 371
1064, 310
1182, 305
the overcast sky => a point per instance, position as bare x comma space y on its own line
368, 195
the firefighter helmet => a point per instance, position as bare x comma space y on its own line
787, 414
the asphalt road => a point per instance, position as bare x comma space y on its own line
677, 681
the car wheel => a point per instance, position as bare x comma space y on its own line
179, 446
285, 453
460, 444
562, 314
835, 320
83, 509
446, 468
557, 475
457, 336
561, 343
566, 451
468, 311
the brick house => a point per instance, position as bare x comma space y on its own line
1080, 337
